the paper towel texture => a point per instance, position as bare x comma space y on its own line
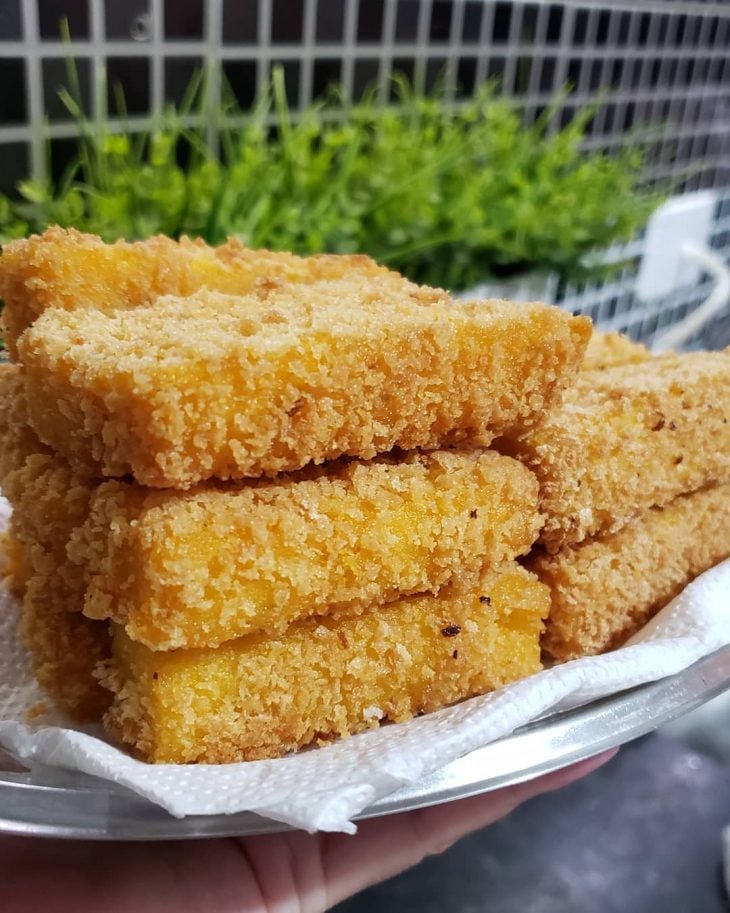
323, 789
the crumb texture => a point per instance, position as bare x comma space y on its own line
628, 438
261, 697
605, 590
216, 386
197, 568
67, 269
65, 647
49, 501
608, 349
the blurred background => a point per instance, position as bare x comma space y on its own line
577, 152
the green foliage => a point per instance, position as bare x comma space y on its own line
447, 196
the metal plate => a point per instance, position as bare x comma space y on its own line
55, 803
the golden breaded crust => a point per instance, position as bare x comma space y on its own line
259, 697
606, 589
608, 349
17, 439
628, 438
199, 568
14, 568
221, 387
49, 501
65, 647
67, 269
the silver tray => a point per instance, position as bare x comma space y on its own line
50, 802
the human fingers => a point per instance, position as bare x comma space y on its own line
386, 846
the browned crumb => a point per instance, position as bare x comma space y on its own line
216, 386
38, 710
67, 269
197, 568
49, 501
17, 439
608, 349
65, 647
628, 438
606, 589
260, 697
14, 569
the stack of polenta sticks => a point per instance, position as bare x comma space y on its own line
634, 473
254, 502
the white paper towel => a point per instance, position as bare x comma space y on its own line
324, 789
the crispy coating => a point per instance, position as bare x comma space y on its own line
197, 568
67, 269
608, 349
17, 439
260, 697
628, 438
216, 386
14, 568
65, 647
606, 589
49, 501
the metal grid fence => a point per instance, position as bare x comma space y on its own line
652, 61
615, 306
664, 62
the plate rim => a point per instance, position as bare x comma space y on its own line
72, 805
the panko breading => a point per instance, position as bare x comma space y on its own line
260, 697
14, 568
216, 386
606, 589
17, 439
199, 568
64, 268
49, 501
608, 349
628, 438
65, 647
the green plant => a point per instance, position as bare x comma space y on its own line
446, 195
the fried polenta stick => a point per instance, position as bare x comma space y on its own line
17, 439
64, 268
606, 589
49, 501
628, 438
221, 387
14, 569
65, 647
608, 349
259, 697
199, 568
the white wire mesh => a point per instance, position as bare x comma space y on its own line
652, 61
